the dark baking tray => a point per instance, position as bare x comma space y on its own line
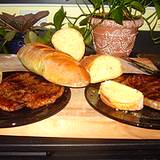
70, 148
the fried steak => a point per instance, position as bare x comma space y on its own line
147, 84
25, 89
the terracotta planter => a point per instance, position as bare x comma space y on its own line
114, 39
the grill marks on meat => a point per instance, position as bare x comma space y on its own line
147, 84
25, 89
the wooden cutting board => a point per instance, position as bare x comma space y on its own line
78, 119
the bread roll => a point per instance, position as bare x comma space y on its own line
102, 67
55, 66
120, 96
70, 41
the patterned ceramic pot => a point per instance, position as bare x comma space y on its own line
114, 39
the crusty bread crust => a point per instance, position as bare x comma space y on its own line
53, 65
87, 61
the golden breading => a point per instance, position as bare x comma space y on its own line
25, 89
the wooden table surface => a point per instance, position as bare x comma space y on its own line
79, 120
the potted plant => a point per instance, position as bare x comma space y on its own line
15, 31
113, 24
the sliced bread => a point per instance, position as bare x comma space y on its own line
120, 96
102, 67
70, 41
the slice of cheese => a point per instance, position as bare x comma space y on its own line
120, 96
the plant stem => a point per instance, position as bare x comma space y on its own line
87, 6
151, 16
80, 7
69, 20
103, 10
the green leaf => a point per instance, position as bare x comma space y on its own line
111, 1
10, 35
157, 7
2, 32
96, 4
138, 6
117, 15
84, 21
1, 46
128, 1
87, 35
3, 50
46, 38
31, 37
59, 18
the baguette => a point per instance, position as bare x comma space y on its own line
102, 67
120, 96
53, 65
